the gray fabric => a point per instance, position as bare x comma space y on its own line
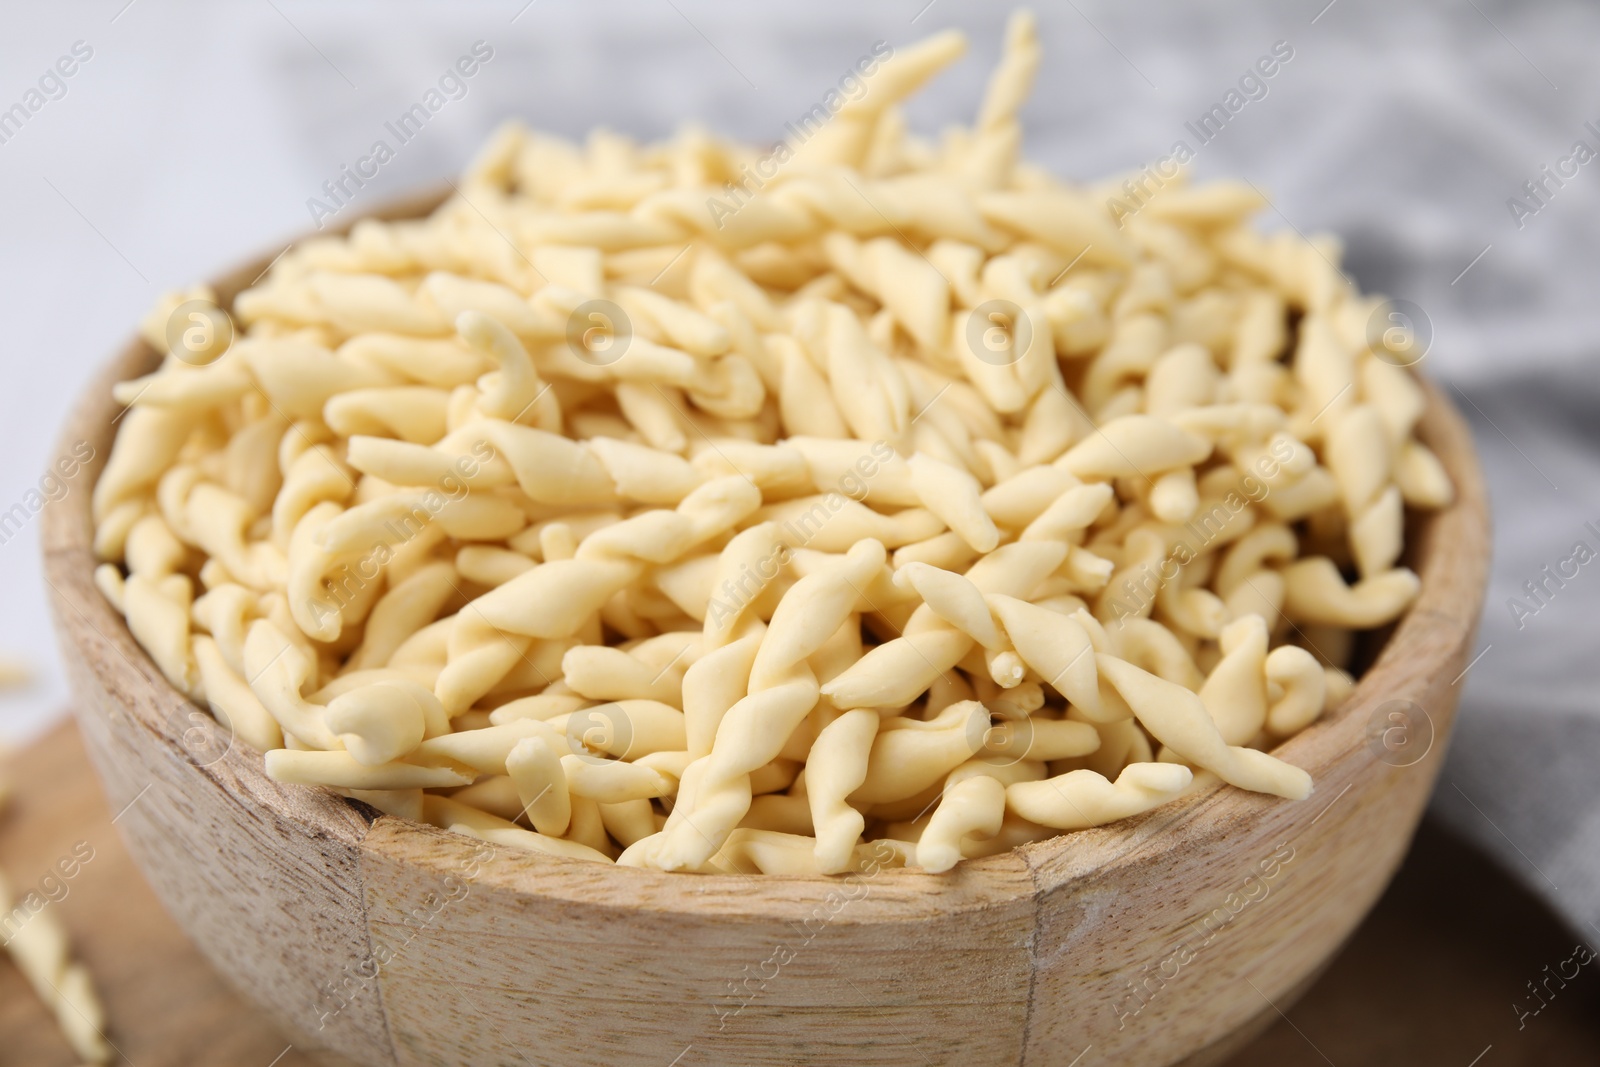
198, 132
1523, 775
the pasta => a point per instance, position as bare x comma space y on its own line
41, 952
629, 509
38, 945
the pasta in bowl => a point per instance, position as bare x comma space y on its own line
789, 519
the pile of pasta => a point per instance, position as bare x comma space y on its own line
709, 508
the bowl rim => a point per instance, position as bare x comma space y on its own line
1450, 550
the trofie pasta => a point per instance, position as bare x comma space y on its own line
907, 501
38, 944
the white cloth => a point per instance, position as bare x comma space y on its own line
196, 133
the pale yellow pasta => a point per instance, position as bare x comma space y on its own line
449, 815
40, 950
1302, 685
1235, 692
783, 689
343, 770
1317, 593
1081, 799
385, 720
1177, 718
534, 765
716, 682
971, 808
278, 671
955, 600
231, 700
629, 821
836, 767
601, 673
910, 755
874, 501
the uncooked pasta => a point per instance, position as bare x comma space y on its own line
709, 507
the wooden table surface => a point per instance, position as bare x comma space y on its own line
1434, 976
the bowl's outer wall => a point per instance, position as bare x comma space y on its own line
1158, 939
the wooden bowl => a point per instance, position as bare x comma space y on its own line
1170, 938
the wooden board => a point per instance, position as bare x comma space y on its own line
166, 1006
1430, 978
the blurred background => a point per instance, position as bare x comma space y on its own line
1439, 140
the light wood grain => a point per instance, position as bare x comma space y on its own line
1020, 958
165, 1006
1424, 982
